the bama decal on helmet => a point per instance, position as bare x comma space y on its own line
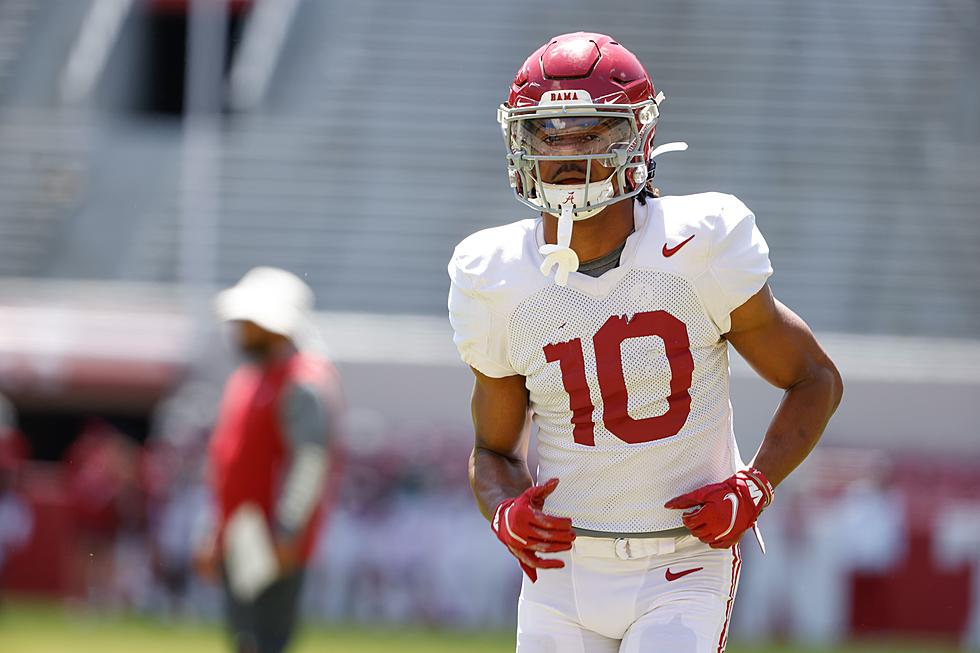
571, 96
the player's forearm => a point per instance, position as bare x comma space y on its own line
798, 423
306, 428
495, 477
302, 487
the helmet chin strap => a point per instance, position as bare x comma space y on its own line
561, 256
676, 146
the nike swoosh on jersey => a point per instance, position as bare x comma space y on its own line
670, 251
671, 576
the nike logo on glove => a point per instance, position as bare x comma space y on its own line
733, 499
719, 513
670, 251
671, 576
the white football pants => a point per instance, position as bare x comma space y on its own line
636, 595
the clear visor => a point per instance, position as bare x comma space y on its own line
571, 135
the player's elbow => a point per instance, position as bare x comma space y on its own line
834, 382
822, 383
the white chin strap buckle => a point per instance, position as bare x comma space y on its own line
561, 255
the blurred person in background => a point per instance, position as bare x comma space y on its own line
181, 510
108, 505
272, 457
873, 511
16, 514
647, 497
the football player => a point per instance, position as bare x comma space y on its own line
608, 319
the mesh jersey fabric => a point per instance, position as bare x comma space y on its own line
642, 412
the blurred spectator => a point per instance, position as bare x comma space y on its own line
958, 542
861, 530
16, 515
390, 495
272, 454
108, 507
180, 510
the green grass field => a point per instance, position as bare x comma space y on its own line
39, 628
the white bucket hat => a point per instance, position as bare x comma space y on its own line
276, 300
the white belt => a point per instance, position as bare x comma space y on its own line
624, 548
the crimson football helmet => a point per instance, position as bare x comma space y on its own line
580, 97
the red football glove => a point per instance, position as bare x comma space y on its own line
724, 511
526, 531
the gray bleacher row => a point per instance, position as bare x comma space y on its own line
843, 125
15, 15
42, 180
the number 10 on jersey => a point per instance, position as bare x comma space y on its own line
607, 343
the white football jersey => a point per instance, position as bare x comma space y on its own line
627, 373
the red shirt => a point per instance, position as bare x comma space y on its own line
249, 451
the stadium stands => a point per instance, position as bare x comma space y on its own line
376, 150
42, 178
15, 15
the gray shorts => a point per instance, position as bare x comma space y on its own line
265, 624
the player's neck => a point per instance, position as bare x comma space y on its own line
597, 236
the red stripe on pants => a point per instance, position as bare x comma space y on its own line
736, 567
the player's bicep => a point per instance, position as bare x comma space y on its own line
775, 341
500, 414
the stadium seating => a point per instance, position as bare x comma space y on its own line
842, 125
42, 178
